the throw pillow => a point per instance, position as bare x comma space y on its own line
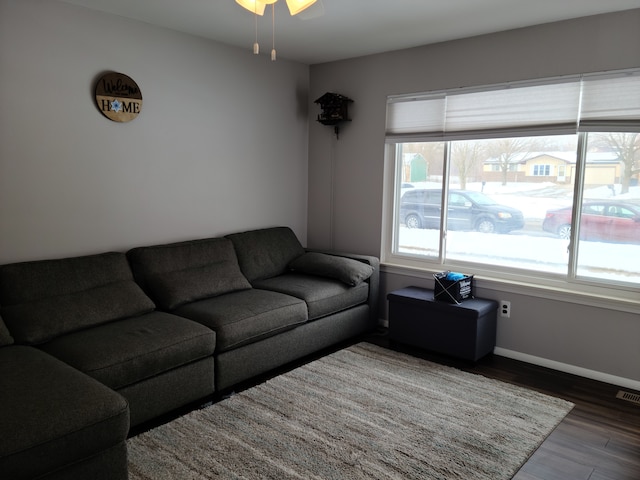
347, 270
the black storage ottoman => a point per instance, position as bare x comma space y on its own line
466, 330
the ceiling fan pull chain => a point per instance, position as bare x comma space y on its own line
256, 47
258, 7
273, 32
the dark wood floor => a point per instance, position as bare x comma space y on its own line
598, 440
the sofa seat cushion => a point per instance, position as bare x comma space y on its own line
183, 272
323, 296
129, 351
44, 299
247, 316
52, 415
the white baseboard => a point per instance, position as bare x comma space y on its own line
561, 367
572, 369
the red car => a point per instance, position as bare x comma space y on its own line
604, 221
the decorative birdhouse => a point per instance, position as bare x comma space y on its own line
334, 109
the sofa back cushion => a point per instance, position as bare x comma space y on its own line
44, 299
179, 273
267, 252
5, 336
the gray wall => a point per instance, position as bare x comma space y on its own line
220, 146
346, 175
224, 143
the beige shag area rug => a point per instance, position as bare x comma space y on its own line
365, 412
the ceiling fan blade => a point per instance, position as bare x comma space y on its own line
254, 6
297, 6
314, 11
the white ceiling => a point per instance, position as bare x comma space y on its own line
340, 29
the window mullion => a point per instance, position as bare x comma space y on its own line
397, 152
444, 201
577, 205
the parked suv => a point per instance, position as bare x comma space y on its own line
468, 210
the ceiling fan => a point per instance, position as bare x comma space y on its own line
257, 7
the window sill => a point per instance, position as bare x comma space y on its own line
619, 299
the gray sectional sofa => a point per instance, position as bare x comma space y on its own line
92, 346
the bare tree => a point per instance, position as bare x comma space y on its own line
465, 156
627, 147
508, 152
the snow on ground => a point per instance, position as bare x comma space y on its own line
547, 254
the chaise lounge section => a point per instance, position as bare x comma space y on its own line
56, 422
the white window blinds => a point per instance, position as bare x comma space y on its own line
414, 115
560, 106
611, 102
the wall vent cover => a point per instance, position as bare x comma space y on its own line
630, 397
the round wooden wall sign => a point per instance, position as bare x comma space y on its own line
118, 97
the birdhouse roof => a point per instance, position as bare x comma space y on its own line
332, 99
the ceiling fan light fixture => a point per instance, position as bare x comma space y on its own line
297, 6
255, 6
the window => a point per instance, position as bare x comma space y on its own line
608, 245
545, 191
541, 170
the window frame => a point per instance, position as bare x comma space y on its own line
584, 290
508, 280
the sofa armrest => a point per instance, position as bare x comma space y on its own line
373, 280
